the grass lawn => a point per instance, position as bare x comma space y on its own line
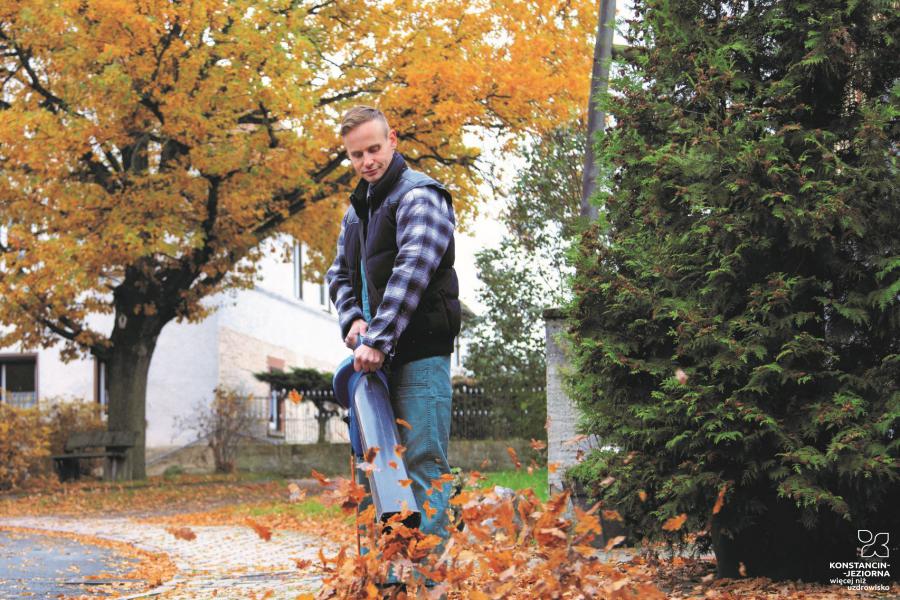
519, 480
310, 508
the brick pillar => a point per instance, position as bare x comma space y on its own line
562, 415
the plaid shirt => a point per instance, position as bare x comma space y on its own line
425, 224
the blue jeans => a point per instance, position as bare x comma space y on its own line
421, 395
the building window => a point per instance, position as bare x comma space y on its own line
275, 407
276, 398
298, 270
101, 384
18, 381
299, 283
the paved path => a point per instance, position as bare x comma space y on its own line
41, 566
223, 562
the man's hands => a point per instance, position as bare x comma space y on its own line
358, 328
365, 358
368, 359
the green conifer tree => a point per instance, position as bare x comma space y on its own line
737, 321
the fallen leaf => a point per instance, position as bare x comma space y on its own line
552, 467
614, 542
538, 444
720, 499
742, 569
392, 464
295, 397
399, 450
320, 478
404, 482
681, 376
371, 453
182, 533
429, 512
261, 530
675, 523
295, 494
515, 457
642, 495
404, 424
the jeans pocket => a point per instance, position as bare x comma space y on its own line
413, 376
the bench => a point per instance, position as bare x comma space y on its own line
83, 445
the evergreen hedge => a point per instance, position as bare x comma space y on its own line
748, 238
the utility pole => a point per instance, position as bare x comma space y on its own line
603, 48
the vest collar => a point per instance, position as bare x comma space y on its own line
360, 198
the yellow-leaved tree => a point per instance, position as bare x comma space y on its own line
148, 147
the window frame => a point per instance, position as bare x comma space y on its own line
9, 357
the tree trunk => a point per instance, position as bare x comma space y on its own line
128, 362
596, 118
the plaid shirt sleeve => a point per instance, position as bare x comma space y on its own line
340, 288
425, 224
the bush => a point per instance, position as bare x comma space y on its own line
222, 423
737, 325
24, 445
65, 417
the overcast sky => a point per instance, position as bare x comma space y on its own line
486, 231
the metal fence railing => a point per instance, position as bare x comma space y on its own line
315, 418
498, 414
19, 399
476, 415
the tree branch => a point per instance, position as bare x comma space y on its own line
344, 95
24, 57
330, 166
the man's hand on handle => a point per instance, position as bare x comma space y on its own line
367, 359
358, 328
364, 358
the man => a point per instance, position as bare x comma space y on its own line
398, 235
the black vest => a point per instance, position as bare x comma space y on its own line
436, 320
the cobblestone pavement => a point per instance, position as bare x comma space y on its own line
223, 562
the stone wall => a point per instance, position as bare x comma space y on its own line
298, 460
240, 356
562, 414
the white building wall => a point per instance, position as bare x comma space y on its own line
305, 335
61, 381
236, 340
183, 373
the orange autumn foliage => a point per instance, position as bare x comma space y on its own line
148, 148
24, 445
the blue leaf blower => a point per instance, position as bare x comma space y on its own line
372, 425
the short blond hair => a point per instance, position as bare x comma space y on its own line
358, 115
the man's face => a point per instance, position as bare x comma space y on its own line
370, 149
